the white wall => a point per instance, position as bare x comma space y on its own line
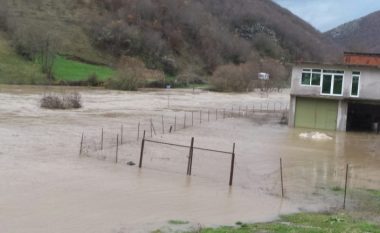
369, 86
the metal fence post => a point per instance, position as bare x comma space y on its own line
345, 187
282, 180
175, 122
142, 150
101, 140
81, 144
190, 161
232, 165
117, 148
192, 118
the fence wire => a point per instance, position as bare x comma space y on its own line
314, 182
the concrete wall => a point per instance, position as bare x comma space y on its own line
342, 116
369, 87
292, 112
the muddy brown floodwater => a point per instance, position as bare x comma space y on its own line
46, 187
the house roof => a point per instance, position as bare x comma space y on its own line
340, 65
363, 54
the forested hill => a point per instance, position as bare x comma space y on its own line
192, 37
361, 35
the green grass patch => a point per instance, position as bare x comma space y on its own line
178, 222
303, 223
15, 69
373, 192
73, 71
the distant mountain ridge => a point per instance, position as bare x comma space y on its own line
361, 35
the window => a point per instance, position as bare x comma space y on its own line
306, 77
316, 79
311, 77
326, 84
332, 83
338, 84
355, 84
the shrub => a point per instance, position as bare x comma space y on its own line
93, 80
132, 74
236, 78
279, 73
67, 101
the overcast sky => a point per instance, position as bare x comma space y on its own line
327, 14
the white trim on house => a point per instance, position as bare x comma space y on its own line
311, 77
332, 83
352, 82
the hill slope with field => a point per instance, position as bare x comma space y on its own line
184, 39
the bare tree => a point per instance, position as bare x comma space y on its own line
3, 13
38, 44
237, 78
132, 74
47, 55
279, 73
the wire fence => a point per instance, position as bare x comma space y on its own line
335, 185
105, 138
309, 182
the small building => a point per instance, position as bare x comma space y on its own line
335, 96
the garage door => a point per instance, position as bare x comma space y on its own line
316, 113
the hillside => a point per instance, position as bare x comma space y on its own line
361, 35
216, 32
180, 37
16, 70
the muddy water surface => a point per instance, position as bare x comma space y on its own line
46, 187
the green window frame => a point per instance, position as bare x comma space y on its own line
338, 85
355, 84
332, 83
311, 77
306, 78
327, 84
316, 79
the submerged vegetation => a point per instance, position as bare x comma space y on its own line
64, 101
178, 222
303, 223
297, 223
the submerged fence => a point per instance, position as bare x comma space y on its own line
191, 149
166, 124
339, 186
288, 178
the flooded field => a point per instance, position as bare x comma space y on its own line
46, 187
